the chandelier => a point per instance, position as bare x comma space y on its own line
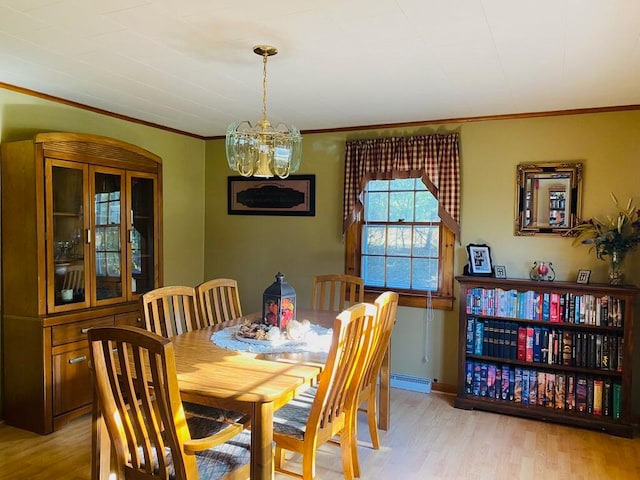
262, 150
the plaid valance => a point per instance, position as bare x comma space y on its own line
434, 158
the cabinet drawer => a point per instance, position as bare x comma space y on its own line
132, 319
75, 331
72, 386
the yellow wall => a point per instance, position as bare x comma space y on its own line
253, 248
201, 241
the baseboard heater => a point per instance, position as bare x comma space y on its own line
407, 382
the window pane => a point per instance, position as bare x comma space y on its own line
378, 185
399, 241
373, 240
424, 274
401, 206
377, 207
373, 270
403, 184
425, 241
426, 207
398, 272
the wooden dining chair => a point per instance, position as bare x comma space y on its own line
73, 278
335, 292
150, 434
219, 300
387, 303
320, 413
170, 311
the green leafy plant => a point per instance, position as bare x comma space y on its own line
620, 233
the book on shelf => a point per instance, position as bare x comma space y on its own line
559, 399
537, 344
491, 380
570, 395
620, 354
471, 331
554, 307
550, 390
567, 347
512, 384
581, 393
525, 386
517, 385
604, 359
522, 343
544, 347
468, 377
528, 354
498, 389
484, 369
616, 400
546, 306
477, 373
597, 397
542, 385
607, 397
533, 387
505, 384
589, 395
478, 336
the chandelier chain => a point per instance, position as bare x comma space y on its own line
264, 87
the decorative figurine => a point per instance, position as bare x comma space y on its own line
542, 271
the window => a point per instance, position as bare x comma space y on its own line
403, 245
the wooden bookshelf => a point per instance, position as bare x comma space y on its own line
577, 339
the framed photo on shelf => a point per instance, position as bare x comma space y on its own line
479, 260
501, 271
583, 276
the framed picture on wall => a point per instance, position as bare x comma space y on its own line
294, 195
479, 260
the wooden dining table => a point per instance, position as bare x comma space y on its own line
256, 384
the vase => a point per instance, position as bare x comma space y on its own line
616, 272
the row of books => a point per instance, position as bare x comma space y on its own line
560, 391
553, 307
541, 344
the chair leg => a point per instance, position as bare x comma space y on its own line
349, 452
279, 458
372, 419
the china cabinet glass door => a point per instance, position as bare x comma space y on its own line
142, 232
67, 225
108, 233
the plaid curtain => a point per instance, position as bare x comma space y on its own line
434, 158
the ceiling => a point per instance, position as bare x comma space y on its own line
189, 64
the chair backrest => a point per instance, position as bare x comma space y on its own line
387, 303
219, 300
126, 362
170, 311
339, 381
335, 292
73, 278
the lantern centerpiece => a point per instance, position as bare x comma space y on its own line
279, 303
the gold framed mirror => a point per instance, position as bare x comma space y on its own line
548, 198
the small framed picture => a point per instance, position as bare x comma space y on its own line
479, 260
583, 276
501, 271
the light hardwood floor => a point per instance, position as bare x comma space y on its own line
429, 439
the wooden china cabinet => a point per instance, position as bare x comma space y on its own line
81, 241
